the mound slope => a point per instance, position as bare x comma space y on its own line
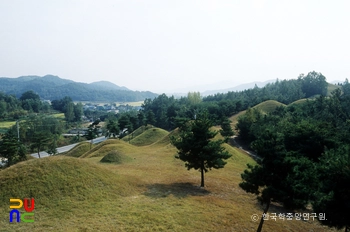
58, 177
79, 149
109, 145
115, 157
268, 106
149, 137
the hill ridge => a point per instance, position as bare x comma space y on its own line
50, 87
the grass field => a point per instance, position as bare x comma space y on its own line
138, 103
153, 191
59, 115
7, 124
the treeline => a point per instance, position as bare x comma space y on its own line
36, 128
285, 91
72, 112
12, 108
304, 156
167, 111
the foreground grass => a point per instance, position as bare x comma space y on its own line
153, 192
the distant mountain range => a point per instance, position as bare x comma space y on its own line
51, 87
241, 87
216, 89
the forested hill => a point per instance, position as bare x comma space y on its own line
52, 87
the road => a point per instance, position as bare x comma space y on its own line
66, 148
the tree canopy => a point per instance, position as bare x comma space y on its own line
197, 148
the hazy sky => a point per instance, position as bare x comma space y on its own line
165, 45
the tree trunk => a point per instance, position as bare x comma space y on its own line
346, 228
202, 174
262, 218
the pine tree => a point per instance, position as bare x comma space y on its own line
197, 148
226, 129
12, 149
92, 131
112, 128
333, 194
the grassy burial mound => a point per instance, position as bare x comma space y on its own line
115, 157
264, 107
165, 141
107, 146
149, 136
138, 131
268, 106
65, 189
57, 177
300, 101
331, 88
79, 149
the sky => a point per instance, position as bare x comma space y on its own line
171, 45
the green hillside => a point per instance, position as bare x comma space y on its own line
52, 87
154, 192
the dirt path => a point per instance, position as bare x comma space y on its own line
234, 141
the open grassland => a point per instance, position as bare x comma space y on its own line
153, 191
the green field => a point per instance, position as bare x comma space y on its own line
152, 191
59, 115
7, 124
138, 103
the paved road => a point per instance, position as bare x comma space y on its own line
66, 148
